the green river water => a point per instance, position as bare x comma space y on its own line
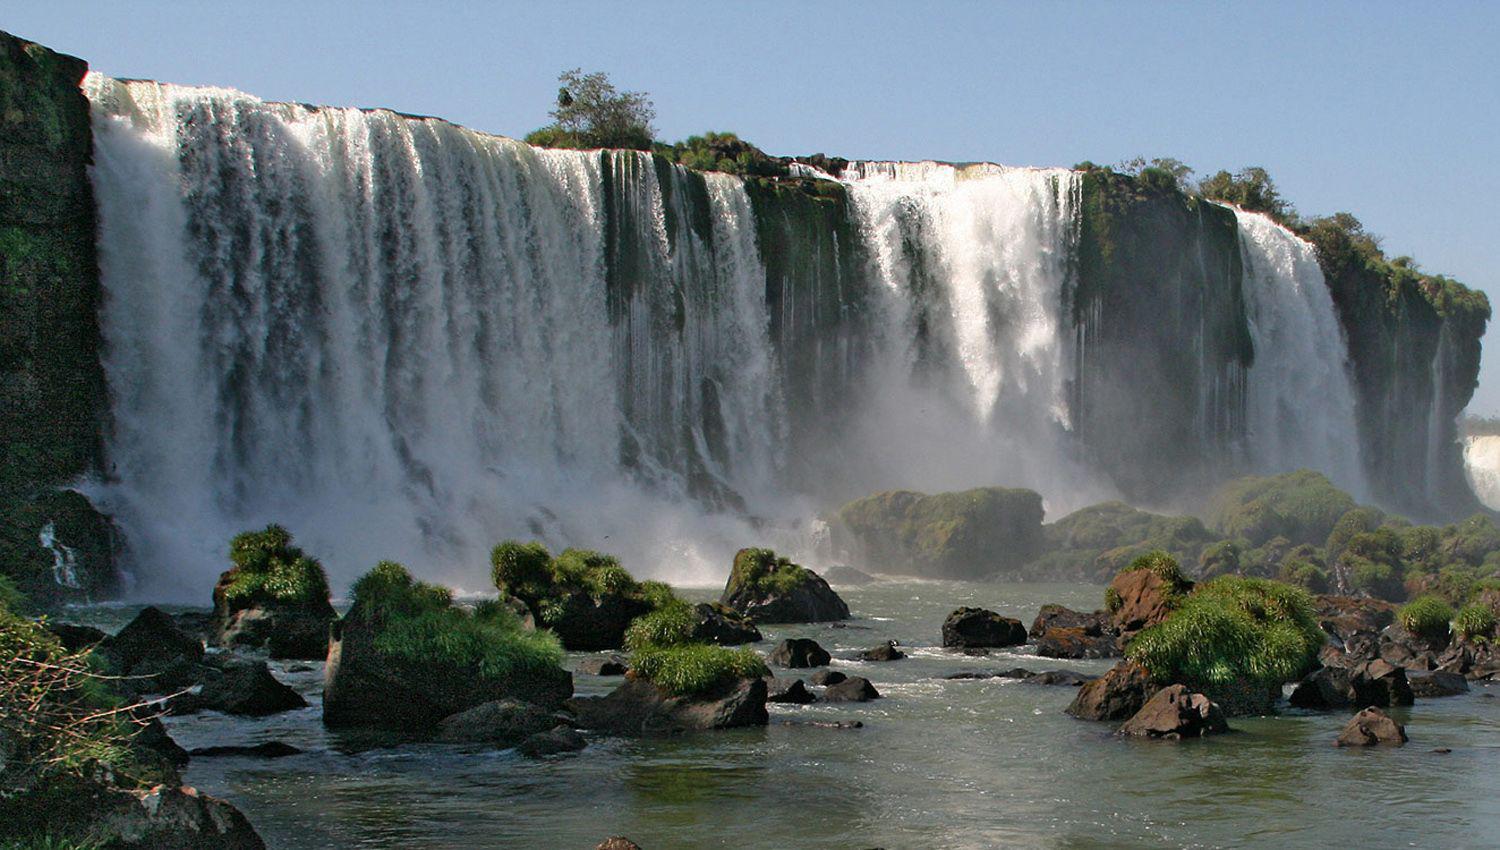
938, 764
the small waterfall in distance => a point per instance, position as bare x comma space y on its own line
404, 339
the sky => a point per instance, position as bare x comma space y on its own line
1390, 111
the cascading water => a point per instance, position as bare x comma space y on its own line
404, 339
1300, 405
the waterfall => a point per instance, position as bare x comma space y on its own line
1300, 402
1482, 466
404, 339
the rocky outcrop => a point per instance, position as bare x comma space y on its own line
366, 687
1077, 643
720, 624
768, 589
1175, 713
640, 708
239, 686
852, 689
284, 631
798, 652
1372, 683
978, 627
971, 534
1116, 695
153, 653
53, 399
165, 817
1371, 727
790, 691
1139, 599
1431, 684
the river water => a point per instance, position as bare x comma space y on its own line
938, 764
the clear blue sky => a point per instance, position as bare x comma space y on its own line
1388, 110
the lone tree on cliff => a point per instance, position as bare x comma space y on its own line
592, 113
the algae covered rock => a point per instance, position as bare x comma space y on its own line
274, 597
405, 656
1302, 506
969, 534
769, 589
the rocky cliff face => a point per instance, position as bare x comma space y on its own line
52, 392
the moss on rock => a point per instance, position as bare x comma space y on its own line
968, 534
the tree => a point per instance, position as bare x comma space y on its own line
592, 113
1252, 189
1162, 166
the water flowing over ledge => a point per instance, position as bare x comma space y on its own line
407, 339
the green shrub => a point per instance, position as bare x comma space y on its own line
1474, 621
269, 570
418, 622
1230, 634
1112, 600
592, 113
1164, 567
657, 593
1219, 559
1306, 575
518, 568
546, 584
1427, 617
762, 570
694, 668
1302, 506
668, 625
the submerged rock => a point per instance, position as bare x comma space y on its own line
798, 652
640, 708
768, 589
852, 689
558, 739
824, 678
885, 652
1174, 713
243, 686
1371, 727
267, 750
501, 723
1117, 695
977, 627
611, 665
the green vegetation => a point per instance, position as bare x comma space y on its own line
964, 534
551, 587
269, 570
1164, 567
1427, 617
1305, 574
1233, 638
724, 152
692, 669
418, 622
1098, 541
1249, 188
1302, 506
592, 113
1475, 621
670, 624
762, 571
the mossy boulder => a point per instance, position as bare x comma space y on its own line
274, 596
406, 656
969, 534
770, 589
1094, 543
585, 597
1145, 593
1302, 506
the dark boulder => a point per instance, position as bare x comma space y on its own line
640, 708
559, 739
977, 627
1474, 660
1065, 678
75, 638
1430, 684
1059, 642
885, 652
1117, 695
198, 625
151, 736
501, 723
1380, 683
1052, 616
791, 691
153, 652
824, 678
768, 589
245, 687
166, 817
609, 665
720, 624
852, 689
586, 622
798, 652
267, 750
1324, 689
1174, 713
1371, 727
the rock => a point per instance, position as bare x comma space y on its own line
1065, 678
768, 589
501, 723
246, 687
198, 625
852, 689
977, 627
1145, 599
1321, 690
842, 576
1380, 683
1473, 660
968, 534
152, 735
885, 652
640, 708
788, 691
824, 724
611, 665
363, 686
1052, 616
56, 546
974, 651
1117, 695
824, 678
617, 842
273, 598
166, 817
720, 624
283, 633
559, 739
267, 750
1059, 642
798, 652
1436, 683
75, 638
1346, 617
299, 668
153, 648
1174, 713
1370, 727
